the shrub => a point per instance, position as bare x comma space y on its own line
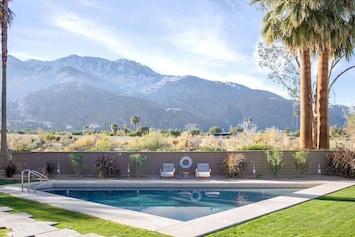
36, 144
10, 168
105, 167
153, 141
78, 162
77, 133
211, 148
275, 160
257, 147
342, 163
50, 137
233, 165
103, 144
22, 148
174, 132
195, 132
47, 169
301, 161
138, 161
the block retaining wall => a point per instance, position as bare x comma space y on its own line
37, 160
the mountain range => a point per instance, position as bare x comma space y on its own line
76, 92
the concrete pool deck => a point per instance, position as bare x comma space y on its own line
314, 186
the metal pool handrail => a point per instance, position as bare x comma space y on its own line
35, 173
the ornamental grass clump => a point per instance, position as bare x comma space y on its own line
105, 167
342, 163
301, 163
233, 165
275, 159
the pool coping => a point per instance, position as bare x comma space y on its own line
196, 227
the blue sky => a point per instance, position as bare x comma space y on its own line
211, 39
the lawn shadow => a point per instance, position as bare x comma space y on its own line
340, 199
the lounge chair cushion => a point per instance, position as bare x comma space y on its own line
168, 170
203, 170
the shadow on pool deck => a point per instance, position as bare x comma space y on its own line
315, 186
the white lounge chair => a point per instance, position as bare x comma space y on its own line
203, 171
168, 170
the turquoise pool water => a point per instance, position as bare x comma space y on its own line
179, 204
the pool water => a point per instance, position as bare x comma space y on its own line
179, 204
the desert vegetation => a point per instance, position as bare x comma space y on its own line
236, 139
161, 140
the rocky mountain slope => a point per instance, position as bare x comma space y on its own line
75, 92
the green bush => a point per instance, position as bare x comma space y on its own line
78, 162
138, 162
153, 141
233, 165
257, 147
195, 132
211, 148
301, 161
50, 137
175, 132
77, 133
22, 148
275, 160
104, 144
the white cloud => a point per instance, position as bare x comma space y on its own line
84, 27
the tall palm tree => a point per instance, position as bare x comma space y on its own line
321, 27
336, 39
114, 128
134, 120
6, 19
285, 21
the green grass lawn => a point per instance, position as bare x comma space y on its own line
67, 219
330, 215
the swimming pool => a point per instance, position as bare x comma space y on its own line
310, 189
182, 204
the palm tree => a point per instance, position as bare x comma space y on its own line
320, 27
134, 120
125, 129
6, 19
284, 22
114, 128
337, 39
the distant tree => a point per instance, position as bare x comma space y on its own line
350, 125
214, 130
248, 125
235, 130
143, 130
134, 120
195, 132
296, 113
283, 67
174, 132
114, 128
125, 129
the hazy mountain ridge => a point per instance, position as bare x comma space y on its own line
74, 92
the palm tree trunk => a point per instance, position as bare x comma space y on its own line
4, 20
322, 101
306, 114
